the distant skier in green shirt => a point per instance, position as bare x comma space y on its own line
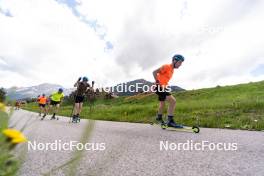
55, 102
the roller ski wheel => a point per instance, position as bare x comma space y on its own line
196, 129
163, 125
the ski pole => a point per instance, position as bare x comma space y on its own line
91, 96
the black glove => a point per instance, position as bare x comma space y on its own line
79, 79
92, 82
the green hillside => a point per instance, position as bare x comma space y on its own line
237, 107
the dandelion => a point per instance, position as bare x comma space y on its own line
2, 107
14, 136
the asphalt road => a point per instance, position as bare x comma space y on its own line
134, 149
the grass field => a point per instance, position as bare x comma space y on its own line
236, 107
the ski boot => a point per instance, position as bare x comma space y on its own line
78, 118
43, 117
172, 124
160, 120
75, 118
54, 118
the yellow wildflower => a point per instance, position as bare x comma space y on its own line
2, 107
14, 135
21, 139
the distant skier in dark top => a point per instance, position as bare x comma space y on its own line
82, 89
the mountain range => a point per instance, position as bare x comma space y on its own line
15, 93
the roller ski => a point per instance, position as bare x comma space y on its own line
172, 126
75, 119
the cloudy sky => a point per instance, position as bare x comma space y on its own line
56, 41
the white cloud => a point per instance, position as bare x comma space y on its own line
45, 42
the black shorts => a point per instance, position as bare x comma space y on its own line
42, 105
79, 99
162, 93
54, 103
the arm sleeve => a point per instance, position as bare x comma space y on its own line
52, 94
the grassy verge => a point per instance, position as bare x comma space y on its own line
235, 107
8, 165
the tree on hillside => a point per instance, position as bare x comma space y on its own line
2, 95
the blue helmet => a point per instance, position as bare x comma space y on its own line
60, 90
85, 78
178, 57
